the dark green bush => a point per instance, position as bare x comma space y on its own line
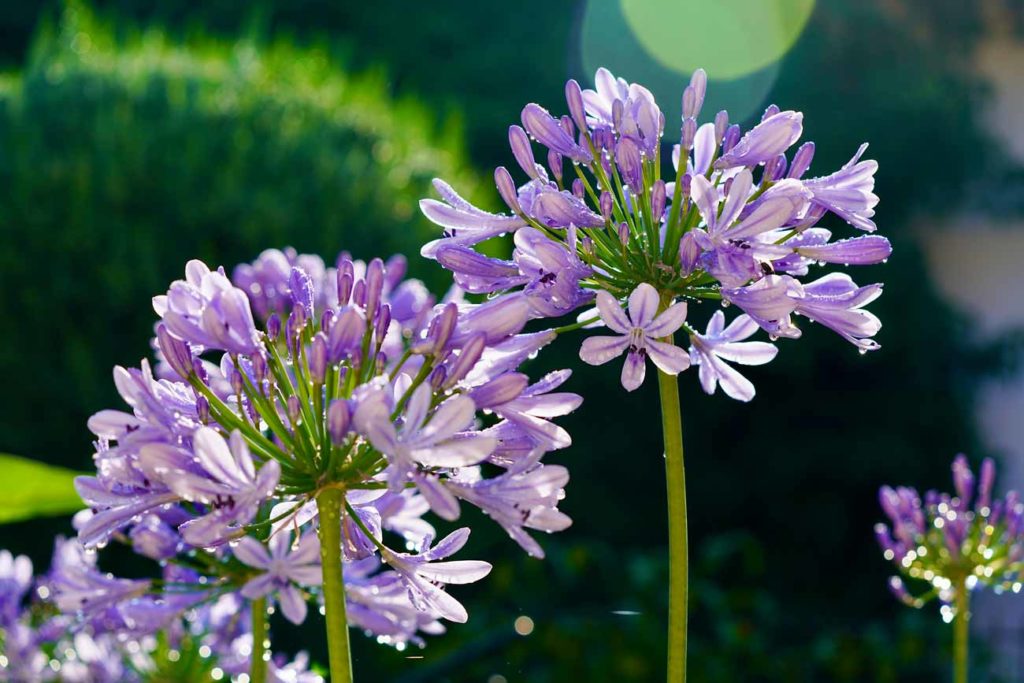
122, 154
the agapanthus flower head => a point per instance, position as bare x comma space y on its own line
946, 543
734, 221
294, 379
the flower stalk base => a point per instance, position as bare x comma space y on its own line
258, 667
329, 503
675, 477
961, 633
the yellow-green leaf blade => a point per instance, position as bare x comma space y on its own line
29, 488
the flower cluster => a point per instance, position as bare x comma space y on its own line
291, 379
738, 224
40, 640
949, 543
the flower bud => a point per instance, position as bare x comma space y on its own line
578, 190
985, 480
294, 410
770, 111
630, 163
963, 480
693, 96
301, 286
774, 169
732, 136
175, 351
555, 164
721, 125
374, 287
658, 199
468, 357
801, 160
437, 378
345, 282
237, 384
273, 327
607, 203
687, 134
259, 369
326, 319
203, 409
318, 358
519, 141
689, 253
574, 98
383, 322
339, 417
346, 334
507, 188
567, 126
624, 233
359, 293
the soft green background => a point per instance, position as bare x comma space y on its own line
161, 131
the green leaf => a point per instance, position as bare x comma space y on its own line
29, 488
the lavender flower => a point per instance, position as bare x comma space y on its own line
738, 223
284, 566
424, 575
640, 330
711, 350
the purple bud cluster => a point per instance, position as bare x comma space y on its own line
952, 542
738, 225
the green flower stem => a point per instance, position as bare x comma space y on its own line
258, 667
961, 632
675, 476
328, 504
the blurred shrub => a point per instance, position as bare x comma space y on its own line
122, 154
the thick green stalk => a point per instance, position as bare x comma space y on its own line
258, 666
675, 476
328, 505
961, 632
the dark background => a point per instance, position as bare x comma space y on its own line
135, 135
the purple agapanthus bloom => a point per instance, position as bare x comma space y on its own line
710, 351
953, 543
641, 330
294, 380
424, 575
287, 565
15, 581
739, 222
427, 437
220, 475
207, 310
525, 496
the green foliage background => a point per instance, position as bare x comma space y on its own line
170, 130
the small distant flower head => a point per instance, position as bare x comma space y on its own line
946, 542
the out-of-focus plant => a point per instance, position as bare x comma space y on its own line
952, 545
125, 152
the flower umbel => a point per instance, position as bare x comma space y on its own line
948, 543
736, 222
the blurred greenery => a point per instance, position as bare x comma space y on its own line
170, 130
31, 489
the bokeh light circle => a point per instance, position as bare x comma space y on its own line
606, 39
728, 38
